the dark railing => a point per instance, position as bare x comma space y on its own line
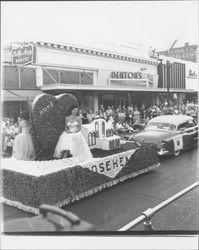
150, 212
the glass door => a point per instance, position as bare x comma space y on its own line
121, 101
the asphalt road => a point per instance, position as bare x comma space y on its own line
113, 208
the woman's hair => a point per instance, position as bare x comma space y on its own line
84, 113
25, 115
73, 107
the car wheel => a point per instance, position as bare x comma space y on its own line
176, 153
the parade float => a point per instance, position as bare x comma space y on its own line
28, 184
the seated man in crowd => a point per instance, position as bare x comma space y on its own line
84, 118
128, 128
119, 127
111, 122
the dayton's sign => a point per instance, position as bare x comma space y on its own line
126, 75
22, 55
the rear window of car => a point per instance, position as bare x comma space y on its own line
161, 126
188, 124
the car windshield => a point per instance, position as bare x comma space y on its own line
160, 126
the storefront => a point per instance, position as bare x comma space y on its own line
180, 79
95, 76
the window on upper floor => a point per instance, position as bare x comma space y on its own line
10, 77
69, 77
86, 78
64, 76
28, 78
50, 76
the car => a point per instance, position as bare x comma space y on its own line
170, 133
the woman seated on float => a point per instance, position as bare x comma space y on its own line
23, 148
71, 142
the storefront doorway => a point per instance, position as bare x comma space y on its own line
138, 98
120, 101
107, 100
12, 109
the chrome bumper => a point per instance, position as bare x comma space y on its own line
162, 152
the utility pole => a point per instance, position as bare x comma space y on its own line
168, 67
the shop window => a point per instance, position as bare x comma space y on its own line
10, 77
69, 77
50, 76
86, 78
88, 103
13, 109
28, 78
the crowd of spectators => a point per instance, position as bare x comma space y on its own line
9, 129
120, 119
133, 118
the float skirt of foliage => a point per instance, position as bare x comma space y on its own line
58, 185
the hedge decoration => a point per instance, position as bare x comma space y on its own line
48, 116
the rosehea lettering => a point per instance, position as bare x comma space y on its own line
110, 166
107, 166
121, 159
115, 164
101, 167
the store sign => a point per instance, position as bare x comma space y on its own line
153, 54
22, 55
193, 73
126, 75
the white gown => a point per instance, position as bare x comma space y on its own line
74, 142
23, 148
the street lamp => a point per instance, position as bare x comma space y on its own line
168, 68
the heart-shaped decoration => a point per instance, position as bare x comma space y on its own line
48, 118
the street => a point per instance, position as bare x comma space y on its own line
113, 208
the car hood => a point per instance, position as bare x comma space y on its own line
152, 136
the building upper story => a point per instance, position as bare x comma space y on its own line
187, 52
70, 66
183, 74
50, 66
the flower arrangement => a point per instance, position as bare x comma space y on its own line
68, 184
47, 117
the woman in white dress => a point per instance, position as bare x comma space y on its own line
71, 142
23, 148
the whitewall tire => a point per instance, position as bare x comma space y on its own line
176, 153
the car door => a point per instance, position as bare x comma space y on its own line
192, 132
189, 131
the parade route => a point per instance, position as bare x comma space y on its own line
113, 208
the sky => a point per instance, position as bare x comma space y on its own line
155, 24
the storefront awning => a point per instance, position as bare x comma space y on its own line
77, 87
19, 95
